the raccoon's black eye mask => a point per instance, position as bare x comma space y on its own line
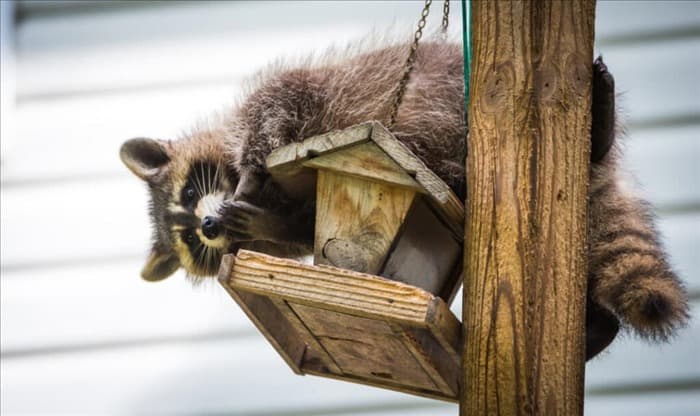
188, 196
190, 238
204, 177
183, 219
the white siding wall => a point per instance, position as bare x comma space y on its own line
81, 333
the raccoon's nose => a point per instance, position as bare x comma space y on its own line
210, 227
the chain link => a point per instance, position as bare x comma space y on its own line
410, 61
445, 16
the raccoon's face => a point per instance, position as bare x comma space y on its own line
192, 216
188, 182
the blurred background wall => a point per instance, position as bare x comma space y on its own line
81, 333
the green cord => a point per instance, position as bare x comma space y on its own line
467, 45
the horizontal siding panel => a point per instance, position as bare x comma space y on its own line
683, 403
108, 305
632, 362
82, 332
220, 41
664, 160
201, 19
151, 64
681, 237
91, 220
56, 223
434, 409
655, 90
238, 377
641, 16
241, 376
665, 164
661, 91
629, 19
655, 82
654, 404
71, 129
64, 222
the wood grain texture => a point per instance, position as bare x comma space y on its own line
364, 347
313, 351
267, 318
291, 167
447, 329
357, 221
359, 293
366, 161
434, 360
286, 164
450, 208
346, 325
290, 156
525, 236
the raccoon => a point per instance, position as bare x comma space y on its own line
211, 193
187, 179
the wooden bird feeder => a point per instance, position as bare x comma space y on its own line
373, 308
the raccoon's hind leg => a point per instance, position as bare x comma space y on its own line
601, 328
601, 325
603, 111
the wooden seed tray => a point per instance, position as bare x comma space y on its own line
346, 325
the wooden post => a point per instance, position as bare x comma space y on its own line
527, 181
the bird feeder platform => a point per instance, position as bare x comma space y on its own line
373, 308
351, 326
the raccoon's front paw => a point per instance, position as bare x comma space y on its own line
244, 221
603, 111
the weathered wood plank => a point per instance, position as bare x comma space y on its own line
355, 327
388, 385
348, 291
314, 352
289, 158
440, 193
287, 166
357, 221
268, 319
446, 328
242, 376
365, 348
525, 235
435, 362
365, 161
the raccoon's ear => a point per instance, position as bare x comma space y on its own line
159, 266
144, 157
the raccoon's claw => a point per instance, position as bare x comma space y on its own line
603, 111
237, 218
244, 221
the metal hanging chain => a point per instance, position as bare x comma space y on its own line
401, 88
410, 61
445, 16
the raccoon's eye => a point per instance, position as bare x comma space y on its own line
188, 237
188, 193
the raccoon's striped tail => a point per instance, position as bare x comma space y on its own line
629, 271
